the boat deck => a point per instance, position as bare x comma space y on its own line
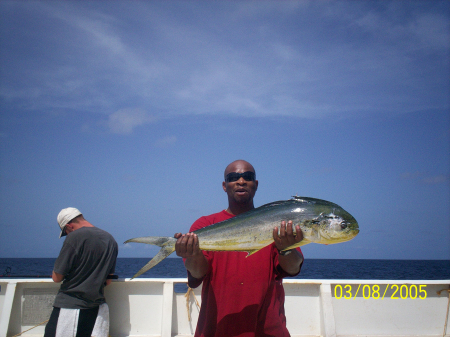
329, 308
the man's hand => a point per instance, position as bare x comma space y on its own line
187, 245
292, 261
287, 238
188, 248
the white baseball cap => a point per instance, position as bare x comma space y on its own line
64, 218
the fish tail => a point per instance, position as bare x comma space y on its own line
154, 240
167, 245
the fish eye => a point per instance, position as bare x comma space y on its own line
343, 225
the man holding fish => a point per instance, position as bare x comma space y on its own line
241, 296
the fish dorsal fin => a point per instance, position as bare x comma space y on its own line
274, 203
295, 199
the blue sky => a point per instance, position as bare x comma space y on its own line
130, 111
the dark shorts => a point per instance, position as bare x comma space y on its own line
86, 322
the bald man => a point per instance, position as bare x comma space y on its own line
240, 296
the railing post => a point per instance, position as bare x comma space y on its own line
327, 312
166, 324
7, 308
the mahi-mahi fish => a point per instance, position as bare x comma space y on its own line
320, 221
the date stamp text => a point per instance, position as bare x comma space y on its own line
377, 292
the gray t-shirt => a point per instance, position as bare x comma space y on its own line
87, 256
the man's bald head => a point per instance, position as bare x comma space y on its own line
239, 166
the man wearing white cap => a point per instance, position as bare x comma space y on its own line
87, 257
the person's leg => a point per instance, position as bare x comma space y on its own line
50, 328
86, 322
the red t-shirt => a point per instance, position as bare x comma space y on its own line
241, 296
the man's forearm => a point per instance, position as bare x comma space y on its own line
197, 265
57, 277
291, 262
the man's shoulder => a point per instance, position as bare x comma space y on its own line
98, 230
102, 233
88, 232
211, 219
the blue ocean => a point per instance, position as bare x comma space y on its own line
312, 268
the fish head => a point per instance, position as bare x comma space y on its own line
336, 226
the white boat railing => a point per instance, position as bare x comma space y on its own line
159, 307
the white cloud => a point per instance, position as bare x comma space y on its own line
166, 141
438, 179
410, 175
125, 120
425, 178
263, 64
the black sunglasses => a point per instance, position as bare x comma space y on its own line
234, 176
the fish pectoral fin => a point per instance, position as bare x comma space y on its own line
301, 243
251, 252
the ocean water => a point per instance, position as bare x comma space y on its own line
312, 268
